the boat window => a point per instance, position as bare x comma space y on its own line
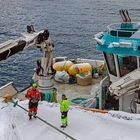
127, 64
110, 63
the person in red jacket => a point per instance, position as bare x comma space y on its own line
34, 97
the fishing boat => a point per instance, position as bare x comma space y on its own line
93, 89
47, 64
117, 89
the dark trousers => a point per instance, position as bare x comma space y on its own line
33, 107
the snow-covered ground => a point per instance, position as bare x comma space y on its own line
83, 125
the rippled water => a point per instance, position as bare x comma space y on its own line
72, 25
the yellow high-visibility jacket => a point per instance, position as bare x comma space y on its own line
64, 105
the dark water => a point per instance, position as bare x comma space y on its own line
72, 25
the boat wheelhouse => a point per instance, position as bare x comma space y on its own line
120, 45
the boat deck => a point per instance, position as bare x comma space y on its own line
71, 90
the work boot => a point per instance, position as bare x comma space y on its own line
63, 126
30, 117
34, 114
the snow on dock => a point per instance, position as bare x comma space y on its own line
83, 125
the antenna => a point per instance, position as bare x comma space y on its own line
125, 15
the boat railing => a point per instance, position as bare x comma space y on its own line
123, 29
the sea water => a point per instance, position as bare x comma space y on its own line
72, 25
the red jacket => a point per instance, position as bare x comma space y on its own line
33, 94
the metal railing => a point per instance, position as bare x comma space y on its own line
128, 28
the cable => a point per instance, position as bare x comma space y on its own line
67, 135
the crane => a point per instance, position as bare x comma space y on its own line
43, 74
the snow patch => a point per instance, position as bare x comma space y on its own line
124, 115
82, 125
8, 130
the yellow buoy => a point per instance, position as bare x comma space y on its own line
63, 65
80, 68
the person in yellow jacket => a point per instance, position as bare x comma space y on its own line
64, 107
